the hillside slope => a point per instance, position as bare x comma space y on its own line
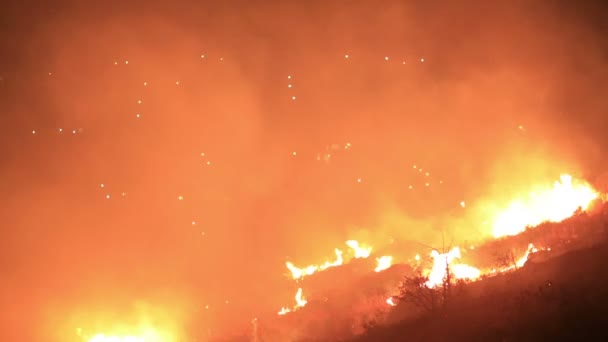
560, 299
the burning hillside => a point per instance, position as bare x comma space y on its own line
554, 204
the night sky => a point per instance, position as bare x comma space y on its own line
177, 154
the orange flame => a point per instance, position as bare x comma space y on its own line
384, 262
553, 204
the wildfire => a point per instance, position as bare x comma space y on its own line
384, 262
437, 273
300, 302
550, 204
553, 204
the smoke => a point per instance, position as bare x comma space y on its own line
486, 98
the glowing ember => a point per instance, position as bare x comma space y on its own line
438, 272
360, 251
554, 205
384, 262
300, 302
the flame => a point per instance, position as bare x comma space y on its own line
384, 262
554, 205
284, 311
437, 273
298, 273
300, 302
360, 251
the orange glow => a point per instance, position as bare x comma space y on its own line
384, 262
546, 204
